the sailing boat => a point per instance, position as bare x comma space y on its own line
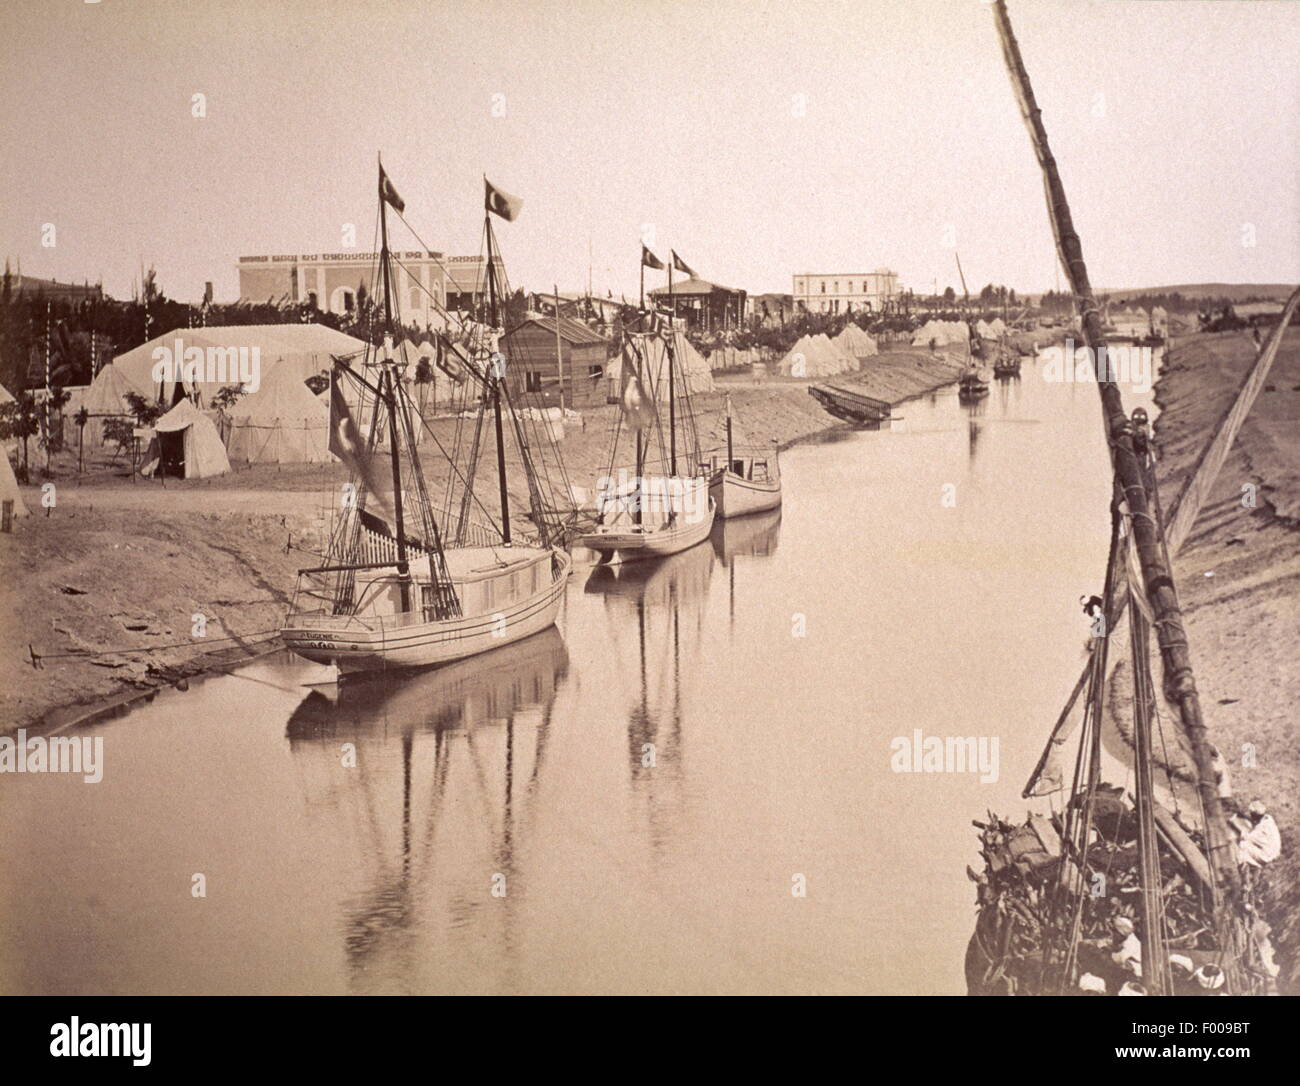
746, 483
390, 593
1119, 895
660, 514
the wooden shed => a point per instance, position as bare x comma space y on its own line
541, 364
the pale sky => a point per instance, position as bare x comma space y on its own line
1175, 124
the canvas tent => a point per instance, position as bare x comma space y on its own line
691, 366
816, 356
942, 332
280, 423
218, 352
105, 399
854, 341
9, 486
187, 444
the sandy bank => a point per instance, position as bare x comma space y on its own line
1239, 582
127, 565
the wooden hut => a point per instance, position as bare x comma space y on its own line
543, 365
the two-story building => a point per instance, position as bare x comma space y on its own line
423, 281
846, 292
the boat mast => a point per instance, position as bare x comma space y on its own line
1158, 585
497, 371
672, 402
730, 458
388, 386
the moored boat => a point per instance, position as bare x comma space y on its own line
744, 481
392, 593
648, 516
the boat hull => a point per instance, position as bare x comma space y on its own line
353, 645
736, 497
630, 544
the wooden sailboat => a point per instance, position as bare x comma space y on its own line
1120, 894
745, 481
655, 514
390, 592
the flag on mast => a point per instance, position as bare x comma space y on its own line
649, 260
635, 402
682, 266
348, 445
500, 202
389, 194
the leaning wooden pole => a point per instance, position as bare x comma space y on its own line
1158, 586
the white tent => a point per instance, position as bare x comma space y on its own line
221, 353
942, 332
104, 399
816, 356
280, 423
854, 341
691, 366
201, 455
9, 486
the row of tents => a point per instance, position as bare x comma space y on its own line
821, 356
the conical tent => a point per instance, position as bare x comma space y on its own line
280, 423
201, 453
105, 399
691, 367
9, 486
853, 340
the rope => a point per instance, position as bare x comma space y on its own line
86, 654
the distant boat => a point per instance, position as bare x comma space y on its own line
744, 482
973, 384
656, 515
850, 406
1007, 365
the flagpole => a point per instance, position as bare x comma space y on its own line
497, 374
403, 566
559, 349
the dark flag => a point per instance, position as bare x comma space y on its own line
502, 203
389, 194
649, 260
682, 266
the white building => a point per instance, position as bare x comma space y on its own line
846, 292
424, 282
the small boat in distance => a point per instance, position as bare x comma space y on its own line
746, 481
973, 384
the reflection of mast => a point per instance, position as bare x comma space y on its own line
424, 715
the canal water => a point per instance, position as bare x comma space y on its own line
690, 787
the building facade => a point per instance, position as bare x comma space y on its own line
847, 292
332, 281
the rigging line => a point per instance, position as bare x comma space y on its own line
455, 469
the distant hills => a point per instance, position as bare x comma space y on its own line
1234, 292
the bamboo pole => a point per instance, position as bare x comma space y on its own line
1179, 682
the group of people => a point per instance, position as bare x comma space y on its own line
1114, 966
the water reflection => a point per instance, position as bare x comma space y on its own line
393, 758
